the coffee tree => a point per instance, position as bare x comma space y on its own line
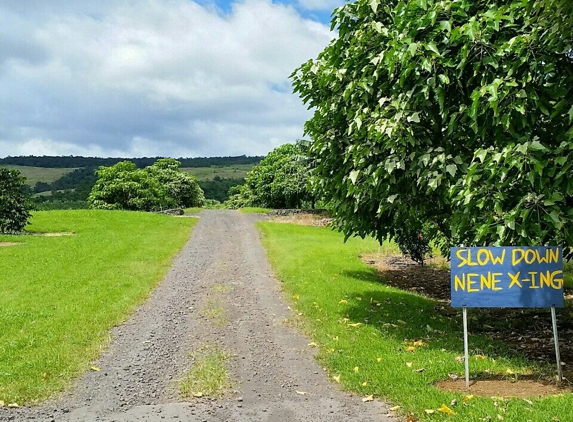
14, 206
453, 116
280, 180
123, 186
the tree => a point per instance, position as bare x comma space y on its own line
182, 188
14, 207
451, 118
159, 186
278, 181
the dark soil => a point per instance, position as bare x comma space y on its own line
223, 262
528, 331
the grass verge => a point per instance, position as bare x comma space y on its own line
59, 296
209, 375
381, 341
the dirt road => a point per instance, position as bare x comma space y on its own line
220, 290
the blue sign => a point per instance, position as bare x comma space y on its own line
507, 277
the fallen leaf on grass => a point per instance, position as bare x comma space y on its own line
411, 419
356, 369
313, 344
445, 409
336, 378
460, 359
525, 400
393, 409
343, 302
368, 398
379, 359
409, 364
499, 417
95, 368
401, 322
420, 343
296, 297
365, 383
197, 395
430, 411
356, 325
302, 393
454, 377
1, 403
479, 357
420, 370
410, 349
13, 406
468, 398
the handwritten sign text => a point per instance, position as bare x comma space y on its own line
509, 277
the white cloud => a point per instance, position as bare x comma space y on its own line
153, 77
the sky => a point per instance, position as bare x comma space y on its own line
134, 78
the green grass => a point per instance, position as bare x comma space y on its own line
255, 210
40, 174
363, 329
209, 375
238, 171
59, 296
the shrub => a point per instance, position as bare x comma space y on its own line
14, 206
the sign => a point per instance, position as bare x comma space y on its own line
507, 277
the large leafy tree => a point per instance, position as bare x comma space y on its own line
450, 117
182, 188
123, 186
14, 205
280, 180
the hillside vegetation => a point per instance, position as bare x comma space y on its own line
65, 182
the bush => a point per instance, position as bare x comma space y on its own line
157, 187
14, 206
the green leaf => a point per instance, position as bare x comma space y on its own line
452, 168
481, 155
446, 25
374, 5
432, 47
414, 118
536, 146
554, 216
392, 198
353, 176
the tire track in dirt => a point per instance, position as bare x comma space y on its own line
222, 267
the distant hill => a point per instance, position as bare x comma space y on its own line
71, 161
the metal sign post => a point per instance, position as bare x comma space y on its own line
466, 347
507, 277
556, 337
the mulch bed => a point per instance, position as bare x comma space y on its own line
528, 331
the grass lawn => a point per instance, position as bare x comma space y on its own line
59, 296
381, 341
238, 171
40, 174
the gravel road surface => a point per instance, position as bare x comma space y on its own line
220, 290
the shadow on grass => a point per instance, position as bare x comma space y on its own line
404, 316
